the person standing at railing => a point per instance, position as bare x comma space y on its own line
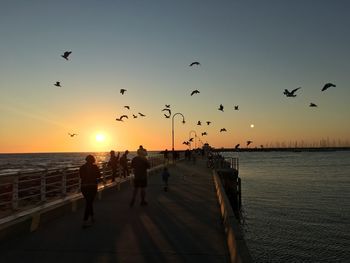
124, 164
113, 163
140, 164
89, 174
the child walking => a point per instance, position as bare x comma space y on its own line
165, 177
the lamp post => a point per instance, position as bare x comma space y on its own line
195, 138
172, 127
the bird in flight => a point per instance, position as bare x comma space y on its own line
121, 118
290, 93
186, 143
190, 140
127, 107
204, 133
195, 63
208, 122
222, 130
236, 107
327, 86
237, 146
167, 105
221, 107
312, 104
167, 116
199, 123
168, 110
72, 134
122, 91
66, 54
57, 84
135, 116
249, 142
195, 92
142, 115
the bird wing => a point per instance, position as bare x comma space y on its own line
294, 90
168, 110
124, 116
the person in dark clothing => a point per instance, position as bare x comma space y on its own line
124, 164
165, 177
113, 163
89, 174
166, 156
140, 165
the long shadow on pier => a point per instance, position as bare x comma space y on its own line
181, 225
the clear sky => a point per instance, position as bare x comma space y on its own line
250, 51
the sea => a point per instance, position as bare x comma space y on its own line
296, 205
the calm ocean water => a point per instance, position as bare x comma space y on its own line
296, 205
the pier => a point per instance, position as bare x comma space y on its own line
192, 222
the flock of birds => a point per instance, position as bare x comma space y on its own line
167, 110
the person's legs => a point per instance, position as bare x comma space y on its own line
143, 196
134, 196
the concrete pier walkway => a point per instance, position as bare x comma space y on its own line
181, 225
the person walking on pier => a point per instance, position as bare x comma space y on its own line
140, 164
165, 177
124, 164
113, 163
89, 174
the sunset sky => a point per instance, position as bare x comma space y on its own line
250, 51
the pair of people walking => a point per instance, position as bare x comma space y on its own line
114, 162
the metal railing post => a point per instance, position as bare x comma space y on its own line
15, 192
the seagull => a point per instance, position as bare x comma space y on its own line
57, 84
208, 122
168, 110
195, 63
327, 85
167, 105
249, 142
290, 93
142, 115
237, 146
312, 105
236, 107
221, 107
167, 116
199, 123
190, 140
135, 116
195, 92
66, 54
72, 134
223, 130
127, 107
121, 118
122, 91
204, 133
187, 143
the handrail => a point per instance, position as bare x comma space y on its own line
22, 191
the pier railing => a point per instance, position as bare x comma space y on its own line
22, 191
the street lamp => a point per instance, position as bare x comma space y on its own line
195, 138
172, 127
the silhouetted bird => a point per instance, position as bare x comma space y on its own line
236, 107
290, 93
195, 63
66, 54
72, 134
221, 107
249, 142
190, 140
312, 105
199, 123
57, 84
208, 122
135, 116
237, 146
142, 115
195, 92
186, 143
204, 133
122, 91
167, 116
223, 130
168, 110
121, 118
327, 85
167, 105
127, 107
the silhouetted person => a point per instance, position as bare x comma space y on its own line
113, 163
140, 164
166, 156
165, 177
124, 164
89, 174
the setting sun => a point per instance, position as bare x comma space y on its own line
100, 137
